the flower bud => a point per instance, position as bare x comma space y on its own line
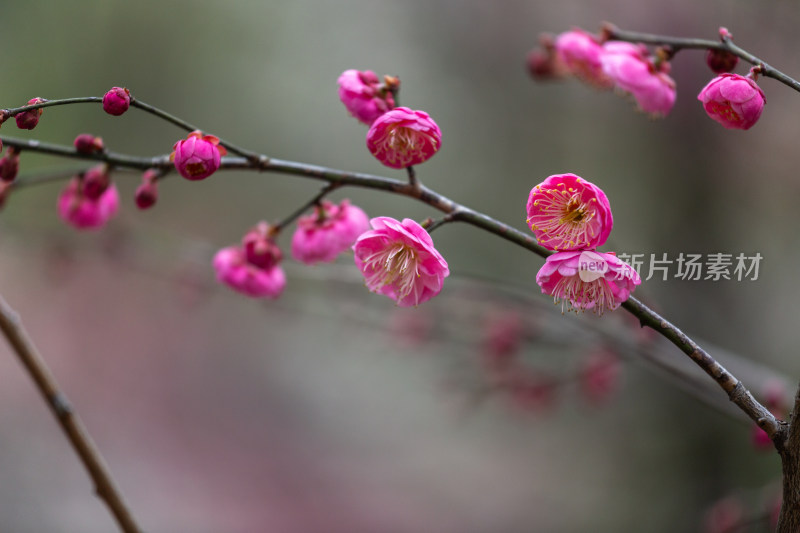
734, 101
86, 143
95, 182
197, 156
9, 165
116, 101
28, 120
147, 192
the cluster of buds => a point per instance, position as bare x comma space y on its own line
89, 199
732, 100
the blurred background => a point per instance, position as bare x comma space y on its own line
330, 409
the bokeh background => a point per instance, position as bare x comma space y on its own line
330, 410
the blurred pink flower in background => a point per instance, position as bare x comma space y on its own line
83, 212
566, 212
734, 101
253, 268
404, 137
580, 52
364, 96
398, 260
599, 375
635, 73
327, 232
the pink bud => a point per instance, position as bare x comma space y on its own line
580, 53
632, 71
147, 192
86, 143
28, 120
404, 137
329, 231
9, 165
85, 213
197, 156
734, 101
259, 247
364, 96
253, 268
95, 182
116, 101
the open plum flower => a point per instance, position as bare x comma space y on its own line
398, 260
254, 267
586, 279
329, 231
635, 73
734, 101
566, 212
404, 137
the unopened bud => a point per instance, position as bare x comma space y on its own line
95, 182
86, 143
28, 120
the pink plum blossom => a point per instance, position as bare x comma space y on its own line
580, 53
252, 268
403, 137
28, 120
83, 212
197, 156
585, 279
567, 212
635, 73
329, 231
116, 101
364, 96
398, 260
734, 101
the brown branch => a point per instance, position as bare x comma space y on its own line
73, 428
789, 449
736, 392
680, 43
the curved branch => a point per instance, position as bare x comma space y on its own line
73, 428
737, 393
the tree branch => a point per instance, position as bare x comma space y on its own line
73, 428
678, 43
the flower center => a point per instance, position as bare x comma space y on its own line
195, 169
576, 294
396, 265
725, 110
563, 216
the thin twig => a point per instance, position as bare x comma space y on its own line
678, 43
76, 432
305, 207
